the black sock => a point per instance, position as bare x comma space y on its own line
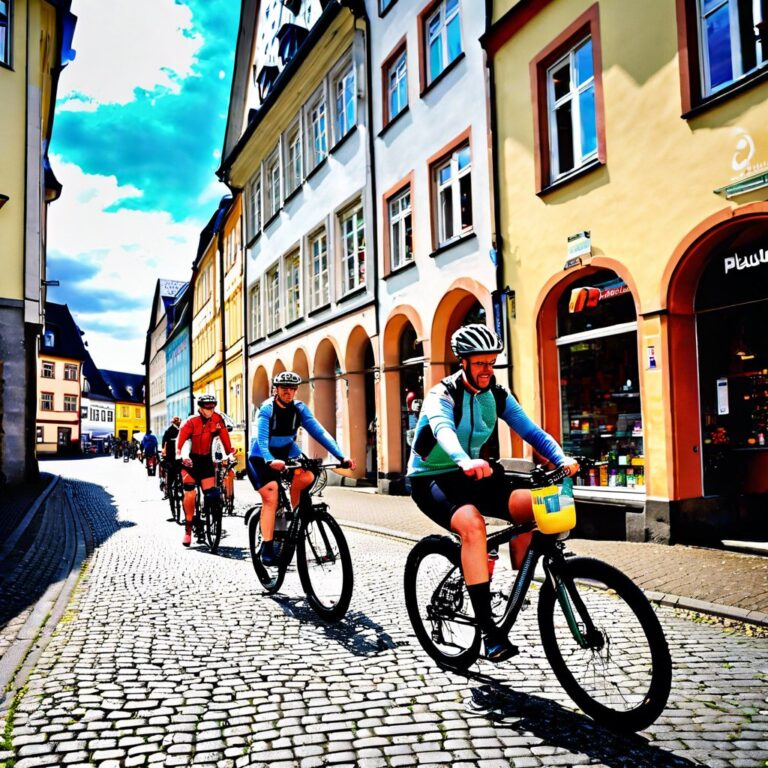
480, 595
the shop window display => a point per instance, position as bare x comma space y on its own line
599, 381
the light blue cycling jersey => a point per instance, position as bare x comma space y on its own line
439, 443
276, 430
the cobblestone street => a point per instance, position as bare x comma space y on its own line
167, 656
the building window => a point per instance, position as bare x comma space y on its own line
273, 299
257, 326
5, 31
294, 166
318, 131
48, 370
385, 5
124, 411
733, 36
39, 435
46, 401
137, 412
70, 403
70, 372
254, 209
442, 37
344, 101
109, 415
353, 249
571, 108
397, 85
452, 179
49, 339
94, 414
272, 172
568, 102
318, 254
400, 228
292, 287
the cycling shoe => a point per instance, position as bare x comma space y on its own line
498, 648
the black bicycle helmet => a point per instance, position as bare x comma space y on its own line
475, 339
286, 379
205, 401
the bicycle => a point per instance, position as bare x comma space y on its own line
175, 491
322, 554
605, 643
151, 464
209, 512
226, 481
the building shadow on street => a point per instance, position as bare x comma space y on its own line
559, 727
356, 632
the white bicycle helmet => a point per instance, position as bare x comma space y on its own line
286, 379
475, 339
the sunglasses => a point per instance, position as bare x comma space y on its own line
483, 364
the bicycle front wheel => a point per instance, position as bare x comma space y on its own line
271, 577
438, 603
325, 566
605, 644
213, 525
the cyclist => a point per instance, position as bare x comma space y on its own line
278, 423
454, 486
149, 445
193, 447
169, 463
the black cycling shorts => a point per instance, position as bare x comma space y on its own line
439, 496
260, 473
201, 469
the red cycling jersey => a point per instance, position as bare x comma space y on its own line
200, 433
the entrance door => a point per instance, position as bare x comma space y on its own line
63, 441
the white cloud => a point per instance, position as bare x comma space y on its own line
130, 249
123, 45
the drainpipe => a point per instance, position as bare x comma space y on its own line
220, 245
501, 290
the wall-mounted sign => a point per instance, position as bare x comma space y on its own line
650, 356
722, 397
579, 247
738, 263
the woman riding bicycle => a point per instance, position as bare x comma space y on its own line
454, 486
278, 423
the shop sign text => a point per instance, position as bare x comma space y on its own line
745, 262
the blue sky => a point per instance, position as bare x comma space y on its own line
137, 136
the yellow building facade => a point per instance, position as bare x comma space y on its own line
129, 418
632, 158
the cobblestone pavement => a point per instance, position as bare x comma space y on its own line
169, 656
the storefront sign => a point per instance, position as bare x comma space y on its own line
722, 397
579, 246
650, 352
738, 263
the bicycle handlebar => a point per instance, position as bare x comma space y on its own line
540, 477
304, 462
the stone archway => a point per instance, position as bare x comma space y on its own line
361, 402
325, 383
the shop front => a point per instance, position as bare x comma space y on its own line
592, 397
723, 280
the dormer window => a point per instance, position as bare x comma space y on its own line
265, 79
48, 339
291, 36
292, 5
130, 390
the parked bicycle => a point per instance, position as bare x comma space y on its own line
209, 510
600, 634
322, 554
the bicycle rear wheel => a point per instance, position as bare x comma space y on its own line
175, 497
438, 603
271, 577
213, 525
325, 566
623, 676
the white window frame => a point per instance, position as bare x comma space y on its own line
734, 27
398, 212
353, 235
445, 16
580, 158
257, 312
273, 179
294, 157
6, 31
70, 372
452, 185
344, 112
292, 277
46, 398
70, 404
319, 276
272, 281
255, 207
397, 73
317, 129
47, 369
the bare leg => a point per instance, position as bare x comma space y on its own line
521, 511
470, 525
268, 494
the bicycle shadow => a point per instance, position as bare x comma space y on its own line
559, 727
356, 632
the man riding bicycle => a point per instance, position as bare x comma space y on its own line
193, 447
454, 486
278, 423
169, 464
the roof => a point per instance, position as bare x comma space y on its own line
66, 336
125, 387
98, 387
